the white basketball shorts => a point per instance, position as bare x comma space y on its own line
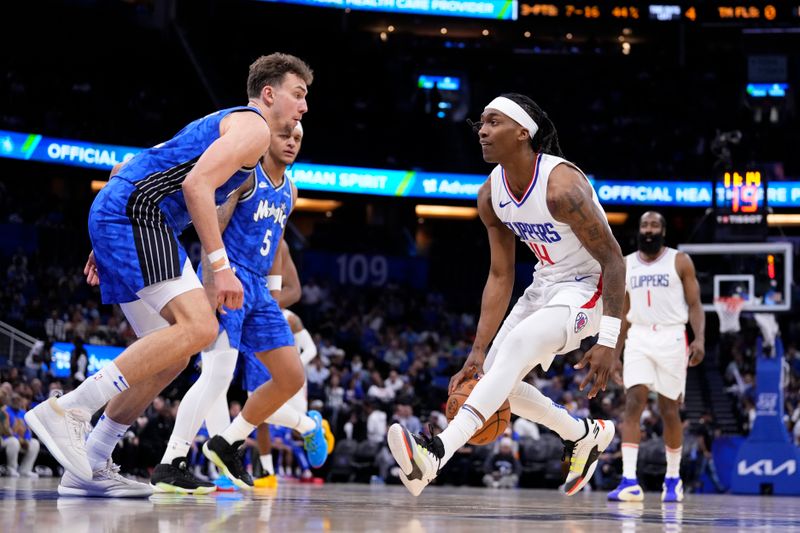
656, 356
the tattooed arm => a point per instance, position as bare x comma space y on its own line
569, 198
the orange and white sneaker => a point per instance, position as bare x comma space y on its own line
584, 453
266, 482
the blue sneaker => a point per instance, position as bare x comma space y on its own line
627, 491
224, 484
314, 442
672, 490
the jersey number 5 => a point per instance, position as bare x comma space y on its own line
267, 243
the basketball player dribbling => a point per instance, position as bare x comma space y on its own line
548, 203
134, 225
662, 295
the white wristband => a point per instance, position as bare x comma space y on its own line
218, 259
274, 283
609, 331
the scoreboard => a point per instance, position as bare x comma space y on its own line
740, 205
764, 11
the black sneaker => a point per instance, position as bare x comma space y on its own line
230, 459
177, 478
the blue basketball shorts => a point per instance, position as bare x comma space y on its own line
133, 244
259, 325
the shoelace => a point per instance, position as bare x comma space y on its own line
78, 422
426, 444
238, 454
111, 471
310, 442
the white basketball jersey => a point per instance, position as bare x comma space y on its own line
655, 290
562, 257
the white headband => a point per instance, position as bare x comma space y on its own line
299, 127
515, 113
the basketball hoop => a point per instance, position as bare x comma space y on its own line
728, 310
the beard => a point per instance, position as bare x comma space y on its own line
650, 244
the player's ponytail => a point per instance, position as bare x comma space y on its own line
546, 139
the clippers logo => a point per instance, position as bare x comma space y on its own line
580, 321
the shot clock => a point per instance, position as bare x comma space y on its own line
740, 205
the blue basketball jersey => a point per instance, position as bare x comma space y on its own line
256, 227
158, 172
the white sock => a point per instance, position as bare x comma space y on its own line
102, 441
674, 461
288, 416
630, 454
96, 391
238, 430
266, 464
176, 447
528, 402
460, 430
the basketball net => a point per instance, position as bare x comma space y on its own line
728, 310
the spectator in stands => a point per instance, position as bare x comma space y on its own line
404, 415
334, 393
20, 440
317, 374
704, 433
395, 357
55, 327
526, 428
78, 362
502, 469
378, 390
37, 393
39, 355
394, 381
376, 423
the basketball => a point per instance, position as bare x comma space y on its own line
495, 425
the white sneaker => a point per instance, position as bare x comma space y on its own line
106, 483
12, 472
29, 474
417, 458
585, 452
63, 431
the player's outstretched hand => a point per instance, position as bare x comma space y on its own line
473, 365
230, 293
697, 349
601, 360
91, 271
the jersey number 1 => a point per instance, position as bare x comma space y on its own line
267, 243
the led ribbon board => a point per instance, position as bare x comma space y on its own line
385, 182
484, 9
98, 357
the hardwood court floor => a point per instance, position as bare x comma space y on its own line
32, 506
